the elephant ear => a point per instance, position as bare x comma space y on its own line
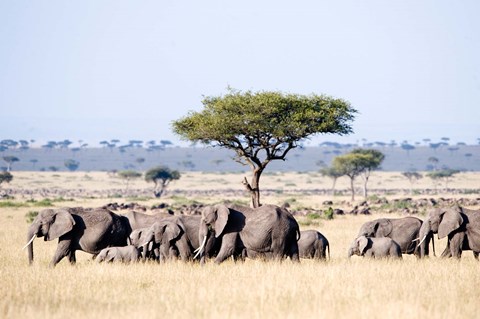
222, 218
383, 228
171, 231
362, 244
62, 223
452, 220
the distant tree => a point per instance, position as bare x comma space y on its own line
351, 165
407, 147
50, 145
187, 164
468, 155
10, 160
434, 161
332, 173
161, 176
445, 140
434, 146
166, 143
71, 165
140, 160
373, 163
64, 143
263, 126
453, 149
8, 143
443, 175
128, 175
53, 168
34, 161
75, 150
5, 177
412, 178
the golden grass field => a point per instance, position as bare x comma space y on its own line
338, 288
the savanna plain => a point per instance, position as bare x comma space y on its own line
337, 288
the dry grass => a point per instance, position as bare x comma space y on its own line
339, 288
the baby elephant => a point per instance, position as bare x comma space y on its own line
123, 254
375, 247
312, 244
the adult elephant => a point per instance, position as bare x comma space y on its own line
460, 225
267, 230
89, 230
404, 231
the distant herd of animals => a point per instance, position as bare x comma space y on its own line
232, 231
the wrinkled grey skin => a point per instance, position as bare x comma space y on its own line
460, 225
404, 231
382, 247
312, 244
170, 237
141, 220
124, 254
78, 229
267, 230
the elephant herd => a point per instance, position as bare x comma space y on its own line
240, 232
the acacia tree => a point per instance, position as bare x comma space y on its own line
356, 163
374, 161
333, 173
412, 178
10, 160
261, 127
128, 175
161, 176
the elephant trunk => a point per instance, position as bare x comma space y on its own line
424, 237
30, 237
203, 234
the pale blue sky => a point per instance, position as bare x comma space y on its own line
96, 70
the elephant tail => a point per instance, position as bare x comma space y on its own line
328, 250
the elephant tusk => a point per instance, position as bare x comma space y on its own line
416, 239
421, 241
29, 242
200, 249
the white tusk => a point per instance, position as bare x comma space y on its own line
416, 239
200, 249
31, 240
421, 241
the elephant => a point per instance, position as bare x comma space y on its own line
140, 220
404, 231
170, 237
125, 254
268, 230
460, 225
312, 244
373, 247
89, 230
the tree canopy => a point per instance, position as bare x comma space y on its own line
161, 176
263, 126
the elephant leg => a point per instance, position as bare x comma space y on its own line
184, 249
475, 255
63, 250
228, 247
447, 253
456, 243
71, 257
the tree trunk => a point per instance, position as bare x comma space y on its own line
352, 188
365, 188
253, 187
